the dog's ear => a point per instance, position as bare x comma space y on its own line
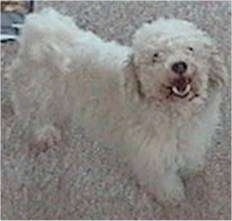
132, 84
218, 70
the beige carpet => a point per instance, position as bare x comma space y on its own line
84, 179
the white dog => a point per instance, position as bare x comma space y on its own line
158, 100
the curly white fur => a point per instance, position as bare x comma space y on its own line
123, 95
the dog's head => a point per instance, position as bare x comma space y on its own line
174, 61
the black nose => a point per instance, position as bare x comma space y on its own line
179, 67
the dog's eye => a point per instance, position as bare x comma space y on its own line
190, 49
155, 56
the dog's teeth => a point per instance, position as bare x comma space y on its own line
181, 93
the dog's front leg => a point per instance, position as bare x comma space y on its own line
165, 185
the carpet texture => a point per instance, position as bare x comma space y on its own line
85, 179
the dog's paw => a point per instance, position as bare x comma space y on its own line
170, 191
192, 168
171, 195
48, 135
44, 139
186, 172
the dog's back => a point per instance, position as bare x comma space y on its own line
61, 72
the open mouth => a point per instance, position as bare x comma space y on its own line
183, 92
180, 87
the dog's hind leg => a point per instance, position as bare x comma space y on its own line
38, 76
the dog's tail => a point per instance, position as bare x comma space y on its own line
48, 36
